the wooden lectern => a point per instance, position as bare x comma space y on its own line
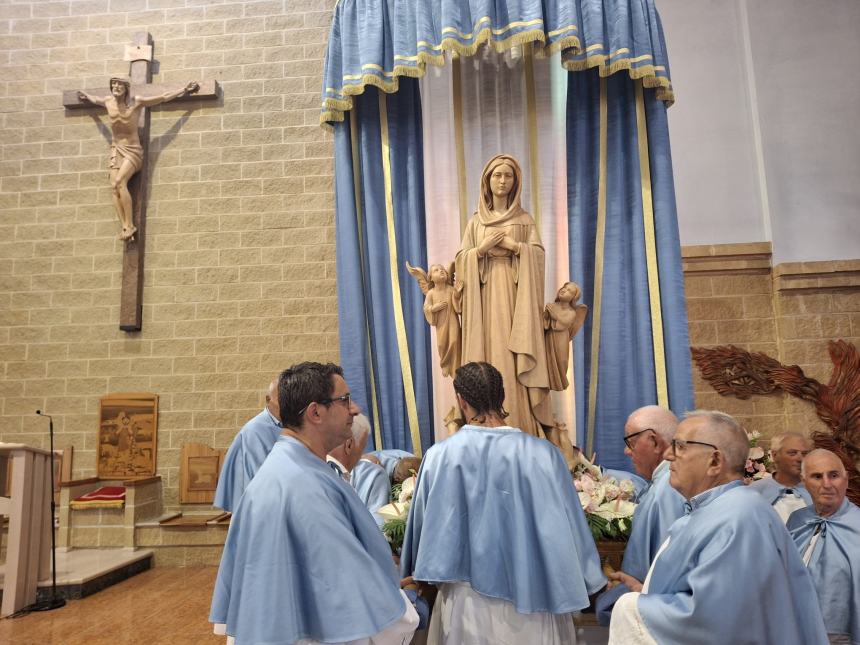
28, 554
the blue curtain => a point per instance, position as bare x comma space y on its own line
619, 250
391, 385
621, 375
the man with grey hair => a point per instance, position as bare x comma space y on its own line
784, 490
721, 559
648, 433
369, 480
828, 536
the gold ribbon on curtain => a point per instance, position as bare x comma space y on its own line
651, 251
397, 304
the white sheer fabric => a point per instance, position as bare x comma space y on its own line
495, 119
461, 615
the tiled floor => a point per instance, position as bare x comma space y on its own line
167, 606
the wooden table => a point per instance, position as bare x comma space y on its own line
28, 553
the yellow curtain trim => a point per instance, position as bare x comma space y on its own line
397, 303
331, 106
599, 245
556, 32
531, 112
651, 251
459, 145
647, 73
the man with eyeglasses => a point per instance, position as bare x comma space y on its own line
784, 491
647, 434
828, 536
300, 537
248, 451
727, 571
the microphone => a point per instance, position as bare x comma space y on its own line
42, 414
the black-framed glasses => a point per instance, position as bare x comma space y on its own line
346, 398
681, 444
628, 440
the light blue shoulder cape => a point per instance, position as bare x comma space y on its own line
772, 490
371, 483
244, 457
389, 458
496, 508
657, 510
299, 541
834, 565
731, 574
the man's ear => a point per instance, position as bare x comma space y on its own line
348, 445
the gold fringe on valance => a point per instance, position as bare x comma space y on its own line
340, 101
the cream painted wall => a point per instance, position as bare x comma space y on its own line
764, 136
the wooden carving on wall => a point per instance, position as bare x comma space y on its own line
735, 372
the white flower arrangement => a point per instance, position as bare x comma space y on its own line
607, 502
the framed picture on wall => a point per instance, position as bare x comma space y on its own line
128, 429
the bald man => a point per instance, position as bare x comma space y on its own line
828, 536
727, 571
784, 491
248, 451
648, 433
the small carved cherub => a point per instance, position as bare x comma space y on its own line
440, 309
561, 320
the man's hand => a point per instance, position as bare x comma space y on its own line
192, 87
632, 583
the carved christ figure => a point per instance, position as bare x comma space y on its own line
562, 319
126, 151
441, 306
500, 271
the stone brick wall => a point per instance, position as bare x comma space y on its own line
240, 276
789, 312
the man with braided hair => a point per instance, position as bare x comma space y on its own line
497, 526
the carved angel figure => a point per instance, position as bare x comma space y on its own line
441, 306
561, 320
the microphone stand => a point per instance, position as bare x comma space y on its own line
54, 602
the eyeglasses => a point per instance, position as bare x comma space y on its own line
346, 398
628, 440
681, 445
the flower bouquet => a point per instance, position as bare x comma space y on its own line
606, 501
758, 464
395, 513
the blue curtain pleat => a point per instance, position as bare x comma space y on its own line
365, 286
626, 372
672, 297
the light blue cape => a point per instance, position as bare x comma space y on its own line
772, 490
244, 457
299, 542
496, 508
834, 565
388, 458
371, 483
731, 574
656, 511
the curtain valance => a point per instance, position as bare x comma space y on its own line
374, 42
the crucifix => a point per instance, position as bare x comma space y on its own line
126, 102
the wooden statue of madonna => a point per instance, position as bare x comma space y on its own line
498, 292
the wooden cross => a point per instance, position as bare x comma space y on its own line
139, 55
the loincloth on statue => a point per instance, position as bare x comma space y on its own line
120, 151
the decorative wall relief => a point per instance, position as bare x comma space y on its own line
732, 371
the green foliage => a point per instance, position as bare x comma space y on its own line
603, 529
395, 492
394, 531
